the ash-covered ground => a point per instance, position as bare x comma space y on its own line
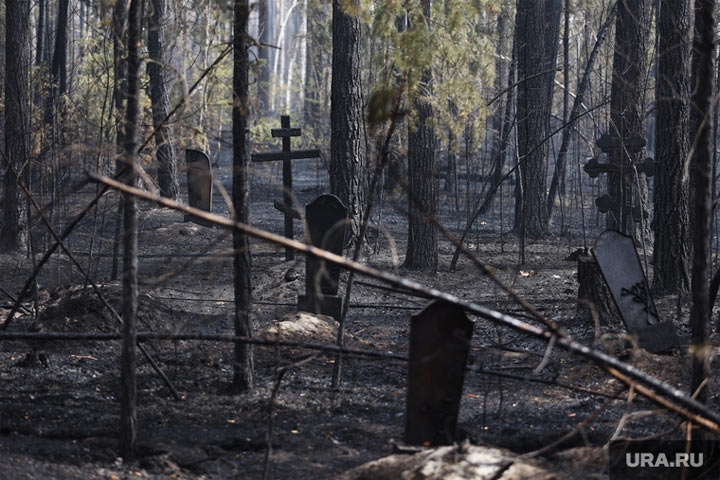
59, 408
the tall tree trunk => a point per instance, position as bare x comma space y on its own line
58, 70
502, 117
422, 243
17, 120
167, 161
128, 418
40, 38
243, 368
701, 162
632, 35
536, 37
671, 196
347, 160
119, 96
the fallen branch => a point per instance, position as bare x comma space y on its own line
653, 388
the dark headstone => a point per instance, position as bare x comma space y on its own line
200, 184
326, 219
620, 266
440, 338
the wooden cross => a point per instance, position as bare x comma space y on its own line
286, 155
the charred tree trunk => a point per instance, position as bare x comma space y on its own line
17, 120
166, 159
422, 242
128, 418
537, 31
58, 70
701, 162
119, 96
671, 196
40, 38
632, 35
347, 161
243, 376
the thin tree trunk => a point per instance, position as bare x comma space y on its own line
58, 70
119, 94
701, 162
243, 376
561, 161
167, 161
40, 38
128, 418
266, 36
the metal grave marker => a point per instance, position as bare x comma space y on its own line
620, 266
200, 184
286, 155
440, 338
326, 221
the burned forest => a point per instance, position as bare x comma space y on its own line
359, 239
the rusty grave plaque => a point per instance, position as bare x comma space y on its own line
326, 220
200, 184
440, 338
620, 266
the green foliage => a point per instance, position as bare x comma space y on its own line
449, 43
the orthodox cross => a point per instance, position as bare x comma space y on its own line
622, 206
286, 155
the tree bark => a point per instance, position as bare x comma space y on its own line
671, 196
347, 159
632, 35
119, 96
128, 400
701, 162
40, 38
17, 120
166, 158
422, 242
58, 70
536, 36
243, 375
